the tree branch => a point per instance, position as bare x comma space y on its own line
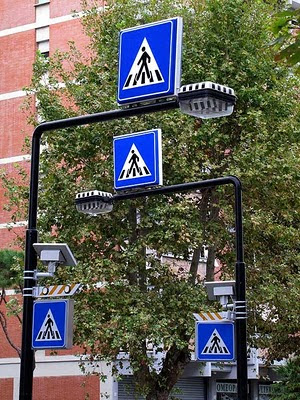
132, 274
3, 323
194, 265
210, 263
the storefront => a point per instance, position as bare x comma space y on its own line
228, 391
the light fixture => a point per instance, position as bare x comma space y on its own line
206, 100
94, 202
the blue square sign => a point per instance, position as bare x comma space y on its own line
137, 159
52, 326
150, 61
215, 341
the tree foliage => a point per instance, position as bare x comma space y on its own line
289, 387
10, 261
8, 270
286, 27
143, 300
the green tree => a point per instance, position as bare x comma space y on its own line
289, 386
9, 278
144, 300
286, 27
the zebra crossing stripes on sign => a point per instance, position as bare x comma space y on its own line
215, 345
150, 61
52, 326
48, 330
144, 70
137, 159
215, 341
134, 165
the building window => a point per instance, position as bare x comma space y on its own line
41, 1
43, 47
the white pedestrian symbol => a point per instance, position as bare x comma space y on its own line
144, 70
48, 330
134, 166
215, 345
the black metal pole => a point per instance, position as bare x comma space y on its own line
241, 309
27, 354
240, 270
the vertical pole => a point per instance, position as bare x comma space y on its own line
27, 354
241, 313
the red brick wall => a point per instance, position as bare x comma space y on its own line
14, 332
66, 388
16, 13
75, 350
59, 7
9, 238
6, 389
61, 34
13, 127
16, 58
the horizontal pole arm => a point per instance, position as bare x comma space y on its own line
179, 188
106, 116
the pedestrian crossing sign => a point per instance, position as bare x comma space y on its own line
52, 326
137, 159
150, 61
215, 341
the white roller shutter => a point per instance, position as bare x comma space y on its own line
188, 389
126, 389
191, 389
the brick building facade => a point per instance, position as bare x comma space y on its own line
25, 26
